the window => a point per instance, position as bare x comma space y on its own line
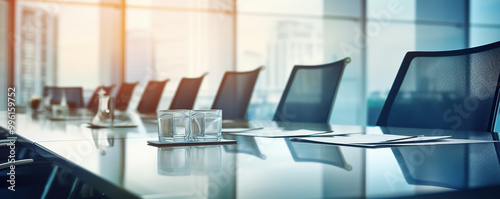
4, 51
176, 39
280, 35
484, 22
65, 44
79, 43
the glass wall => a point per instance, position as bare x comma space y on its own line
280, 35
176, 39
402, 26
65, 43
300, 32
79, 43
484, 22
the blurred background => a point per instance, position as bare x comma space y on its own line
90, 43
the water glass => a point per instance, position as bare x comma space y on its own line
206, 125
173, 125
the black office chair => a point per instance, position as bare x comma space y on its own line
94, 100
449, 90
29, 170
186, 93
151, 97
310, 93
235, 91
74, 96
123, 96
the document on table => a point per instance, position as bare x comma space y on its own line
385, 140
280, 133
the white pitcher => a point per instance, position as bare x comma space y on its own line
105, 110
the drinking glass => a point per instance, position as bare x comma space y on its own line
173, 125
206, 125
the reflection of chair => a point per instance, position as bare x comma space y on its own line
310, 93
452, 166
234, 94
74, 97
457, 166
326, 154
123, 96
246, 144
448, 90
186, 93
94, 100
151, 97
445, 168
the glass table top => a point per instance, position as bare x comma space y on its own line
265, 167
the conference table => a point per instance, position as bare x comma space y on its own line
119, 163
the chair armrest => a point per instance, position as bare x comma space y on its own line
2, 141
17, 162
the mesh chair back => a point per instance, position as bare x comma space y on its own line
94, 100
186, 93
234, 94
449, 90
310, 93
151, 97
74, 95
123, 96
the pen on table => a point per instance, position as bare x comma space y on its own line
231, 130
405, 138
322, 133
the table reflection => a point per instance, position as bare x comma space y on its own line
452, 166
182, 161
459, 166
246, 144
103, 138
57, 126
174, 161
205, 171
326, 154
